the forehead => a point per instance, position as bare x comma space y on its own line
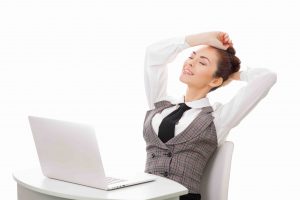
208, 52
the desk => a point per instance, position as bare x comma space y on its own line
33, 185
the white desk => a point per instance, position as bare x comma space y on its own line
33, 185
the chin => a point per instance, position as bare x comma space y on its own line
183, 79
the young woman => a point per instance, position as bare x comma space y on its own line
182, 134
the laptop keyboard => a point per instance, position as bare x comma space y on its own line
111, 180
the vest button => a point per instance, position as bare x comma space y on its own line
169, 154
165, 174
152, 155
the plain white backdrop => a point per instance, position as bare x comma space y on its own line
83, 61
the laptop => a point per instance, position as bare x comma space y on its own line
68, 151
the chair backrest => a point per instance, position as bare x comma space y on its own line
215, 180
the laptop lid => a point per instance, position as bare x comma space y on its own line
68, 151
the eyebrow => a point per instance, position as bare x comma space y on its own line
201, 56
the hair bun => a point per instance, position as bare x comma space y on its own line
235, 61
230, 50
227, 64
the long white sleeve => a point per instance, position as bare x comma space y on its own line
157, 56
259, 82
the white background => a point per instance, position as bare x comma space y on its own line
83, 61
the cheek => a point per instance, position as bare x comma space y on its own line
203, 74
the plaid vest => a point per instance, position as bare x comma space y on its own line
184, 157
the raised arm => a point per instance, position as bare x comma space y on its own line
259, 82
157, 56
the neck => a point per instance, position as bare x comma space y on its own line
195, 94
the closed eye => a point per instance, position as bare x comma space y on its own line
199, 62
202, 63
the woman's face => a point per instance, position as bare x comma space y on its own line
200, 66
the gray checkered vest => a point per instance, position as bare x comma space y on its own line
184, 157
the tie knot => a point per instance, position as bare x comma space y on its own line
184, 106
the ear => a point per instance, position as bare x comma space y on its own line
215, 82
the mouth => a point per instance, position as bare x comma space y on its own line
187, 72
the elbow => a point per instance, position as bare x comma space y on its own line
268, 79
272, 77
148, 49
269, 76
152, 48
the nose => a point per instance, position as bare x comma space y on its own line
190, 62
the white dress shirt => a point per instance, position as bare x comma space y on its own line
226, 116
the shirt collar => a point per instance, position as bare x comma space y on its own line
198, 103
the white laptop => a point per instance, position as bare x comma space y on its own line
69, 152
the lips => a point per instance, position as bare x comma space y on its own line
187, 71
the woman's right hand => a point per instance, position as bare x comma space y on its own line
218, 39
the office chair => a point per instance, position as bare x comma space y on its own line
215, 180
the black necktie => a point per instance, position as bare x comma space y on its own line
167, 127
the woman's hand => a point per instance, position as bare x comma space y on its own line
216, 39
219, 40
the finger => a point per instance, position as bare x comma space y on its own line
223, 40
221, 36
226, 46
226, 36
226, 39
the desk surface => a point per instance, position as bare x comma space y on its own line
161, 188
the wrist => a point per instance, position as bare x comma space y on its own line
198, 39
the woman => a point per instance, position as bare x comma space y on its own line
182, 134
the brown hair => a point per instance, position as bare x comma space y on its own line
227, 64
